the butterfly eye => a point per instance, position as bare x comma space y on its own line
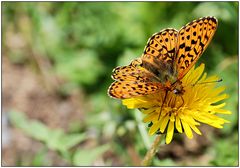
175, 91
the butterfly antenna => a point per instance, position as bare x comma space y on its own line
164, 99
220, 80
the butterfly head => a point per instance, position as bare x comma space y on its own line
178, 92
177, 88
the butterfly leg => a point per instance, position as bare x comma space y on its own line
164, 99
182, 101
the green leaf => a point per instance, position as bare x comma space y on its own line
84, 67
226, 151
40, 159
85, 157
16, 118
38, 130
33, 128
55, 139
70, 140
58, 140
164, 162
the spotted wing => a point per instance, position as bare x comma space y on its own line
133, 72
193, 39
129, 89
132, 80
159, 54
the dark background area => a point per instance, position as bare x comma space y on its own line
57, 59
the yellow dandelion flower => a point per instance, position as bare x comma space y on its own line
198, 104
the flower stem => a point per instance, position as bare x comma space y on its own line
152, 151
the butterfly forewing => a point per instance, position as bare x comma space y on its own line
161, 46
193, 39
159, 54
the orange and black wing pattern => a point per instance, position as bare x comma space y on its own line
193, 39
132, 81
167, 57
159, 54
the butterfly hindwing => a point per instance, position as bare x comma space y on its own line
133, 72
129, 89
193, 39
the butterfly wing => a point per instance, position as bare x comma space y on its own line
129, 89
148, 74
193, 39
159, 54
132, 80
133, 72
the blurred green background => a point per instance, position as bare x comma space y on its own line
57, 60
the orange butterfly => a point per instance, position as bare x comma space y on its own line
166, 59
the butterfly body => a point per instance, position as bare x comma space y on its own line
167, 57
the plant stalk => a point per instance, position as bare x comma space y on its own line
152, 151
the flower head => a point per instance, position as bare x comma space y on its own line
198, 104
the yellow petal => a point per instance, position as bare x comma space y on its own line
170, 132
222, 111
195, 129
219, 98
187, 130
164, 123
149, 117
149, 110
172, 118
154, 128
219, 90
136, 103
178, 124
219, 106
197, 73
203, 77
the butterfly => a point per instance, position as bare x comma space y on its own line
167, 58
